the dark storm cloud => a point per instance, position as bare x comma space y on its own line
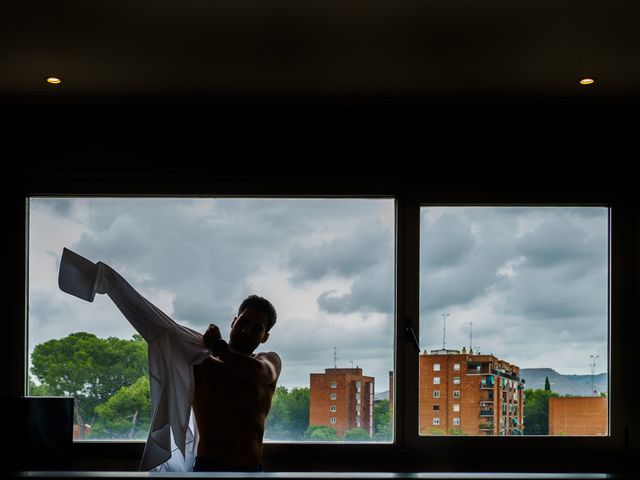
445, 242
461, 253
342, 257
558, 243
561, 272
62, 207
372, 291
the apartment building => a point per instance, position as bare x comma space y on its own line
341, 398
472, 394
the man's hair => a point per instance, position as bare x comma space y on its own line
261, 304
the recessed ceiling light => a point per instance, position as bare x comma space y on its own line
587, 81
54, 80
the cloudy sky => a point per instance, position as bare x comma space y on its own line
533, 281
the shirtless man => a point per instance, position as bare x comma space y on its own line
233, 391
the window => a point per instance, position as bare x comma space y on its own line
456, 407
456, 421
436, 380
456, 367
436, 367
218, 251
617, 398
436, 421
501, 278
436, 394
332, 408
333, 396
332, 420
436, 407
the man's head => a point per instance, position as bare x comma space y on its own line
251, 326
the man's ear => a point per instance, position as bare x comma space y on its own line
265, 338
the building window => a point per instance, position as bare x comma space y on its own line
436, 421
436, 394
333, 396
332, 420
436, 407
456, 394
332, 408
456, 407
456, 367
456, 421
436, 367
436, 380
456, 380
334, 384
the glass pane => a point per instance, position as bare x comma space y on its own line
327, 265
514, 321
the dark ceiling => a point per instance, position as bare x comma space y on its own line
429, 48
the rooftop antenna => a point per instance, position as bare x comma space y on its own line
471, 338
335, 357
444, 329
351, 363
593, 374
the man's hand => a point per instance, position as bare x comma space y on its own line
211, 336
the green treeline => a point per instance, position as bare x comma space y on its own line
110, 382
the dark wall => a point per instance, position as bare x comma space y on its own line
475, 149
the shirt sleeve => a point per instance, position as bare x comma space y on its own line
148, 320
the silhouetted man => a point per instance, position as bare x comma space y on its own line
229, 387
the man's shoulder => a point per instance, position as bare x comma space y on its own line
270, 355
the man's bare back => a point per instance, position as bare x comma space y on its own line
233, 392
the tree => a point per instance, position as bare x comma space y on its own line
320, 433
536, 412
288, 418
41, 390
127, 414
89, 368
382, 421
547, 385
356, 435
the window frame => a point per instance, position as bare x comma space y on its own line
407, 443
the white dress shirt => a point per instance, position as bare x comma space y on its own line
173, 351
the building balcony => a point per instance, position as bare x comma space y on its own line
486, 413
486, 426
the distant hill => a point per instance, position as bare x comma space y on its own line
381, 396
579, 385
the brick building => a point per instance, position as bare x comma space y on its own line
471, 394
341, 398
578, 416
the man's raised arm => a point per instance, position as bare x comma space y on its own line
82, 278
